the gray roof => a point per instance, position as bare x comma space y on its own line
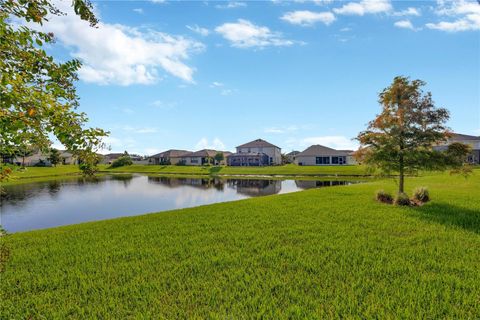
172, 153
458, 137
247, 154
259, 143
293, 153
318, 150
203, 153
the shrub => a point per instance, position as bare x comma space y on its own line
384, 196
421, 194
122, 161
402, 200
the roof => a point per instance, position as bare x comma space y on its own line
319, 150
259, 143
463, 137
113, 155
247, 154
293, 153
172, 153
202, 153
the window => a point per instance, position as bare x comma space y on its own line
322, 160
334, 160
194, 160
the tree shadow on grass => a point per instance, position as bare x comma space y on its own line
450, 215
214, 170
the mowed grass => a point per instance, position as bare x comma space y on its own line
290, 169
325, 253
36, 174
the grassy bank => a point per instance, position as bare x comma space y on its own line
330, 252
271, 170
38, 174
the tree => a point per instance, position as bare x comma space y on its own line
54, 157
401, 138
38, 96
219, 157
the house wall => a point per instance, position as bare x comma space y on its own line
271, 152
193, 161
312, 161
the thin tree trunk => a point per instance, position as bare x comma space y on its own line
402, 178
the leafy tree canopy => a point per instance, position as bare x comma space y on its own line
38, 96
401, 138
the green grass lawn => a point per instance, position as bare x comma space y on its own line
290, 169
324, 253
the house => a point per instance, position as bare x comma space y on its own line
172, 156
256, 153
472, 141
110, 157
67, 157
291, 156
202, 157
318, 155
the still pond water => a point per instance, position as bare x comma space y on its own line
62, 202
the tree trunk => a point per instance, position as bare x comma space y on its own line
401, 178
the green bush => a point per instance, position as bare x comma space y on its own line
121, 162
402, 200
384, 197
421, 194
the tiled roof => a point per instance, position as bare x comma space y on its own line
319, 150
259, 143
172, 153
458, 136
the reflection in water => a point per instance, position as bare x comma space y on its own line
68, 201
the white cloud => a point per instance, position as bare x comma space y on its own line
138, 10
158, 1
346, 29
364, 7
201, 31
317, 2
464, 16
244, 34
281, 130
335, 142
410, 11
139, 130
163, 105
405, 24
231, 5
216, 84
308, 18
117, 54
216, 144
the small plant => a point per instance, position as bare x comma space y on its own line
421, 194
402, 199
122, 161
384, 197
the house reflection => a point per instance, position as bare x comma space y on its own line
256, 187
309, 184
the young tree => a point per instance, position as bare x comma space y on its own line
54, 157
219, 157
38, 96
401, 138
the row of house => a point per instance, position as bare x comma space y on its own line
254, 153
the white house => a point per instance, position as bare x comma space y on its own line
256, 153
318, 155
472, 141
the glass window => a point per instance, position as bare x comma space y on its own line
334, 160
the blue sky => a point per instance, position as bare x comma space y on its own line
189, 75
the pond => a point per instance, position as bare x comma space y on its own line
68, 201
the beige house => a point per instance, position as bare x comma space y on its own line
171, 156
39, 157
472, 141
318, 155
256, 153
203, 157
